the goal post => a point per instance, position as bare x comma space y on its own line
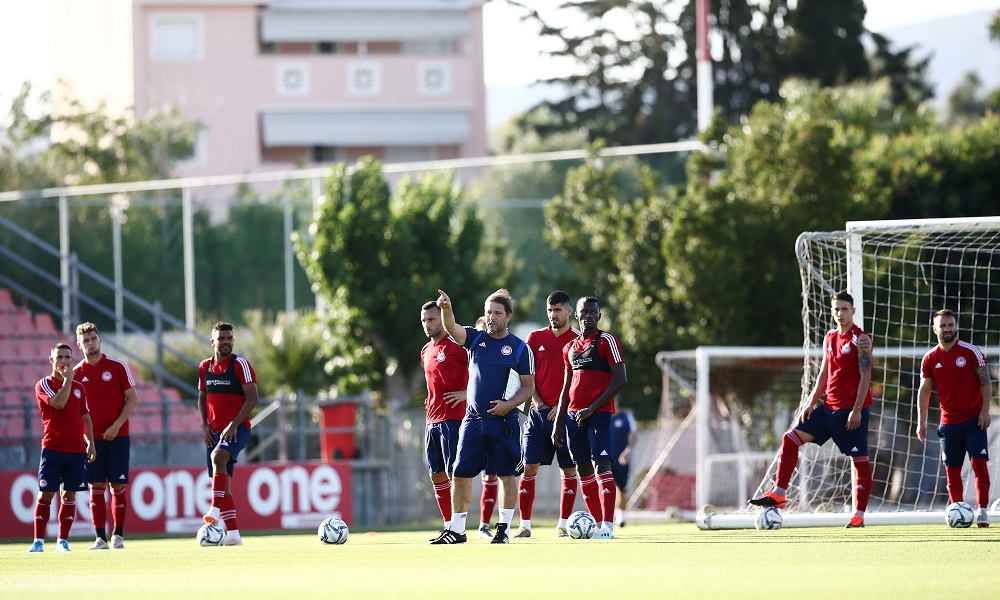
899, 273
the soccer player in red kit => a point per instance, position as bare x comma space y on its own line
111, 396
67, 445
547, 345
837, 408
446, 368
958, 370
227, 392
594, 374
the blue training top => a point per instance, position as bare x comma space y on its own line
490, 362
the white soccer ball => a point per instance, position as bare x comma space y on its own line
333, 531
211, 535
959, 514
768, 519
581, 526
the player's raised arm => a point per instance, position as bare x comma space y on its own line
456, 331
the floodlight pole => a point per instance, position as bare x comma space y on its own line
704, 63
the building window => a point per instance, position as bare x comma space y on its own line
199, 153
176, 36
326, 47
325, 154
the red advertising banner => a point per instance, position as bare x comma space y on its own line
173, 500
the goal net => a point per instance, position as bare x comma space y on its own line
899, 273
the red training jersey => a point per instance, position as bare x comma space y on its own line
843, 374
954, 375
446, 368
549, 370
590, 359
230, 375
106, 383
63, 428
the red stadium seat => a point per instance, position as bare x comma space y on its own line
31, 350
44, 324
11, 427
6, 301
8, 351
23, 325
10, 377
37, 428
11, 398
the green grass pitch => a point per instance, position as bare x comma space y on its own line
645, 561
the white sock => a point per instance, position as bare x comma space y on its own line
506, 515
562, 523
458, 521
608, 525
526, 523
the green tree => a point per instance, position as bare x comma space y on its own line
790, 167
907, 75
826, 42
610, 231
965, 102
376, 257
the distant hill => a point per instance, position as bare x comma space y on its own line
959, 44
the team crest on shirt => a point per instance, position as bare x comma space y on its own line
960, 361
106, 376
76, 393
440, 356
506, 350
846, 348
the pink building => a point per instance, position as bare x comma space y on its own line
280, 81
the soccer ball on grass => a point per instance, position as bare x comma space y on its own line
768, 519
959, 514
333, 531
211, 535
581, 526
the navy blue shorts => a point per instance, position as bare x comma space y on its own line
67, 468
234, 448
959, 439
491, 444
538, 448
620, 473
441, 445
825, 424
592, 439
111, 464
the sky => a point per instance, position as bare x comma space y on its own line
508, 64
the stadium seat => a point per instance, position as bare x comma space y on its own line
37, 428
8, 351
11, 399
23, 325
44, 324
10, 377
11, 427
6, 301
30, 350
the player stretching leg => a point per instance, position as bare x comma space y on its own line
837, 408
